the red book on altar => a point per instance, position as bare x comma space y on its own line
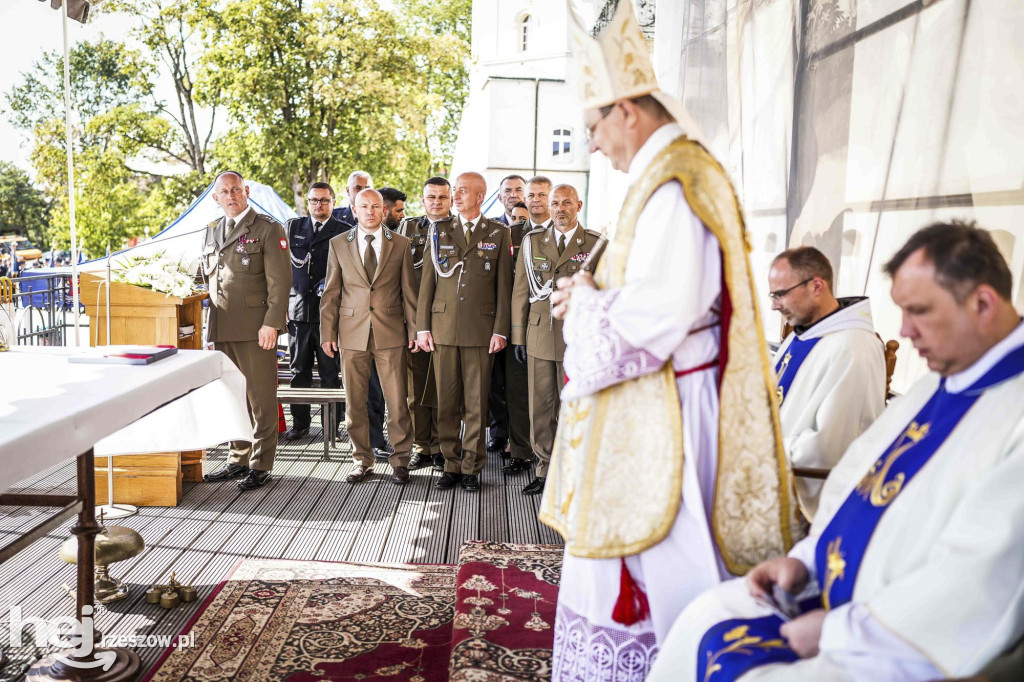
140, 355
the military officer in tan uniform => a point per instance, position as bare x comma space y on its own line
463, 318
426, 447
547, 254
368, 310
247, 268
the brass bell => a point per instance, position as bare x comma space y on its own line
169, 599
153, 596
113, 543
188, 594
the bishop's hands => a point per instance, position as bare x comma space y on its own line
803, 632
562, 295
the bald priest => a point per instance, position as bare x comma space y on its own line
914, 566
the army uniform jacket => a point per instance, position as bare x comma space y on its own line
345, 216
532, 323
309, 265
415, 230
351, 303
471, 303
249, 277
518, 231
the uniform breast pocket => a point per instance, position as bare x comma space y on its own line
534, 319
251, 258
485, 265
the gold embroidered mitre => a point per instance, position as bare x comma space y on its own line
615, 482
617, 64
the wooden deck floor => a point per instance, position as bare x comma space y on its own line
306, 512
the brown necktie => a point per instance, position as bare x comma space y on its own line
370, 259
469, 231
561, 243
229, 226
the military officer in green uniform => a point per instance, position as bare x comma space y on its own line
426, 449
463, 319
247, 268
548, 253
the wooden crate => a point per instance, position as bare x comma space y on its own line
144, 317
152, 480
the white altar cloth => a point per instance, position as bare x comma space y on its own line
52, 410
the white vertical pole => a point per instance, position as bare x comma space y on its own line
71, 173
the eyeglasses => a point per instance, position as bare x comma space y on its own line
781, 293
588, 134
322, 202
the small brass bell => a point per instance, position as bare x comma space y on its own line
188, 594
169, 599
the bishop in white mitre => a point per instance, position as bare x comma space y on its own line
668, 472
830, 371
914, 563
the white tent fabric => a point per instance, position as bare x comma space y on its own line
182, 240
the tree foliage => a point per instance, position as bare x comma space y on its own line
23, 208
317, 89
312, 89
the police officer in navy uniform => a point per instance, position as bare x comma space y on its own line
309, 239
359, 180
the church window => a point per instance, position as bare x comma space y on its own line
561, 143
524, 32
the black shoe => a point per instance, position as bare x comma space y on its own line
471, 483
295, 434
255, 479
496, 445
420, 460
227, 472
383, 453
439, 462
447, 480
515, 466
534, 487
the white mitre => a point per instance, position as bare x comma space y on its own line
617, 65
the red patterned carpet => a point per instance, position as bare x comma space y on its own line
505, 611
299, 621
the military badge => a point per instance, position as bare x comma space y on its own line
240, 248
284, 244
487, 265
580, 257
488, 246
245, 261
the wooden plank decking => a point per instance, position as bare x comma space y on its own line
307, 512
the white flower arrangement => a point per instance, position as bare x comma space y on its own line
156, 272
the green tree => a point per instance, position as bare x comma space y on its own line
316, 89
23, 208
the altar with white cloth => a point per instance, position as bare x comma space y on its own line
52, 410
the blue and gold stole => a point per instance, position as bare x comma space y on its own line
841, 546
788, 365
732, 647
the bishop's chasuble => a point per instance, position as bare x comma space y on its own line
668, 472
831, 386
916, 551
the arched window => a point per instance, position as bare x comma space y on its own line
523, 33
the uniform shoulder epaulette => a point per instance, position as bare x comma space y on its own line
267, 217
592, 233
536, 230
443, 221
